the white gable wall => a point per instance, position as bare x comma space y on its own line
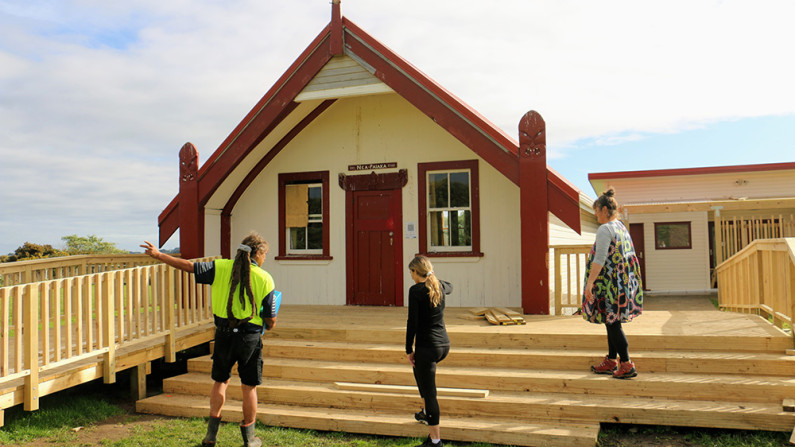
375, 129
676, 270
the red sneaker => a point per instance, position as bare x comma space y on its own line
625, 371
608, 366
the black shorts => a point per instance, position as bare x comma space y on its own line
243, 348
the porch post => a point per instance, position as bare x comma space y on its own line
191, 213
534, 211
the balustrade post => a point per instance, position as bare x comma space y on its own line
170, 300
109, 327
558, 281
31, 348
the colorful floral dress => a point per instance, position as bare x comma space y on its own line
618, 290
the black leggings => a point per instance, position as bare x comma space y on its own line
617, 342
425, 360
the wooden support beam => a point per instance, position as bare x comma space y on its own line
406, 389
138, 381
534, 212
31, 347
171, 325
109, 329
191, 213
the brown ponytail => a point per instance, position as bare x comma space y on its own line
241, 274
422, 267
607, 200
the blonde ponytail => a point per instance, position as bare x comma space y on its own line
422, 267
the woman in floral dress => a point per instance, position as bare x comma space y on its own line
613, 291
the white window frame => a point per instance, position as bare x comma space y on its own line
428, 210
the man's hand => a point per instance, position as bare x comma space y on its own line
269, 323
410, 357
151, 250
178, 263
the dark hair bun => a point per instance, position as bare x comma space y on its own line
609, 193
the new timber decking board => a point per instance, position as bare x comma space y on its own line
508, 405
383, 423
671, 329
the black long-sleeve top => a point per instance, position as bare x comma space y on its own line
426, 322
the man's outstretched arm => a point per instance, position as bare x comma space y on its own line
178, 263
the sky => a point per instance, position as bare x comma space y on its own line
97, 97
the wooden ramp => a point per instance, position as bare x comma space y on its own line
526, 385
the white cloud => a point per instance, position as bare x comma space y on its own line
97, 97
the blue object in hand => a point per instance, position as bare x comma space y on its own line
270, 306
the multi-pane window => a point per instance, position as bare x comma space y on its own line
304, 215
305, 218
449, 210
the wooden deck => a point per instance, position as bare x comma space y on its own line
697, 367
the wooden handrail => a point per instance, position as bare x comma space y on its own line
68, 320
569, 275
760, 279
36, 270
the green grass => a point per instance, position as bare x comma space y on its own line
56, 418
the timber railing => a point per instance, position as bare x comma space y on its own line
569, 275
732, 234
49, 324
760, 279
25, 272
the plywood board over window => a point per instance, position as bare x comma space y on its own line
297, 210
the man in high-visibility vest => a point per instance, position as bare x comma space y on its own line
240, 287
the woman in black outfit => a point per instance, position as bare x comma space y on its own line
426, 332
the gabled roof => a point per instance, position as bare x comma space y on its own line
277, 118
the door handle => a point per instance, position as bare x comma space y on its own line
390, 237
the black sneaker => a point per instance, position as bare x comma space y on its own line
420, 416
429, 443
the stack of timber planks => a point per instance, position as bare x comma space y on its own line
517, 385
496, 315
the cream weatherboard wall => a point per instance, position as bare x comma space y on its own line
374, 129
680, 269
721, 186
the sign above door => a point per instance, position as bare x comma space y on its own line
371, 166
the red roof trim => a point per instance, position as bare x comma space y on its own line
691, 171
476, 118
168, 221
266, 98
441, 107
241, 188
484, 138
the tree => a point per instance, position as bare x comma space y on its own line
91, 244
33, 251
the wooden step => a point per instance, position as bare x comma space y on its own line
647, 384
555, 407
496, 431
526, 358
537, 336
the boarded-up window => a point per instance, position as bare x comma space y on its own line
297, 212
303, 215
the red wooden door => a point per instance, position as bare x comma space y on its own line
636, 233
374, 248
